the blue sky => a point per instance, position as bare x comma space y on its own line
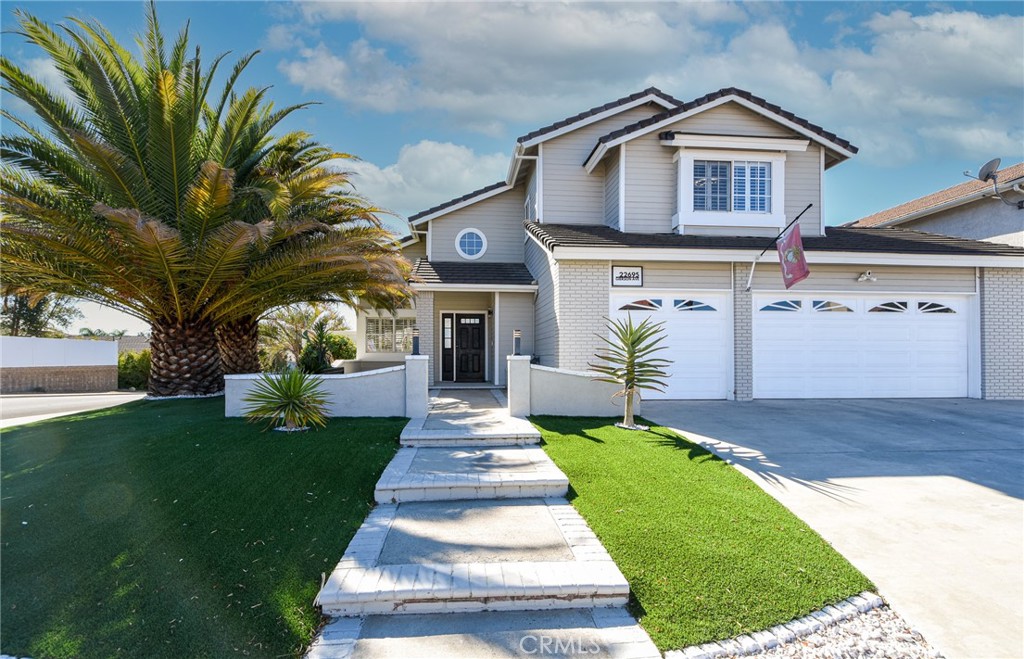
432, 96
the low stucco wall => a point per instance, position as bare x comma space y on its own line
371, 393
57, 365
571, 393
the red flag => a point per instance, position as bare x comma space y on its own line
791, 257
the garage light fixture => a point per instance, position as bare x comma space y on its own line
866, 276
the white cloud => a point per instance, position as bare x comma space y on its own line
915, 86
426, 174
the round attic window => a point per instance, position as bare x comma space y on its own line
471, 243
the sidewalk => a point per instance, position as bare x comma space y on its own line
473, 551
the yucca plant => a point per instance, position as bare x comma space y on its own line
288, 401
630, 362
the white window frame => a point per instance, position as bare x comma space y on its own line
394, 321
458, 244
685, 214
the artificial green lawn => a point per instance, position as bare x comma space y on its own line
708, 554
163, 529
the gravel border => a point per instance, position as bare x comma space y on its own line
219, 394
859, 626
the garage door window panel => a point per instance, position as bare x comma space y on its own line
642, 305
783, 305
933, 307
830, 305
693, 305
889, 307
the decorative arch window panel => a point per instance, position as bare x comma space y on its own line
783, 305
934, 307
642, 305
830, 305
693, 305
889, 307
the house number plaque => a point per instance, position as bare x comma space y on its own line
627, 275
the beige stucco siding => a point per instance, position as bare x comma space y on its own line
803, 186
500, 218
680, 276
650, 185
611, 189
416, 250
545, 270
897, 279
732, 119
514, 311
985, 219
652, 176
571, 195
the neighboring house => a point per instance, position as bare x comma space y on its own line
651, 206
132, 344
968, 210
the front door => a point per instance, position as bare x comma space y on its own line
470, 347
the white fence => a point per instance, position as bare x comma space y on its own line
395, 391
33, 352
534, 389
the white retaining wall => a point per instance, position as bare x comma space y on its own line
30, 352
535, 389
395, 391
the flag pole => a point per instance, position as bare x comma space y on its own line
750, 279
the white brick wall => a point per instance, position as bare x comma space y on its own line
425, 323
743, 335
1002, 333
581, 299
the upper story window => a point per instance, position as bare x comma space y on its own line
471, 243
732, 186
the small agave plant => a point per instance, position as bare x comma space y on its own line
630, 362
291, 401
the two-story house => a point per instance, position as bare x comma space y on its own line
651, 206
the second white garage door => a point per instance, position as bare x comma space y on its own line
698, 339
830, 345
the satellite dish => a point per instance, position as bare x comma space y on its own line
988, 170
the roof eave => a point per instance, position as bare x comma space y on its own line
605, 144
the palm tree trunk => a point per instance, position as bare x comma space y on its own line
238, 343
627, 417
184, 359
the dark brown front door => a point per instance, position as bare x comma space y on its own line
470, 347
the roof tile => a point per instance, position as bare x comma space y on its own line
940, 198
597, 110
457, 272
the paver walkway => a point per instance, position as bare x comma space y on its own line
473, 551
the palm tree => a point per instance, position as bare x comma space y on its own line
630, 362
152, 196
282, 331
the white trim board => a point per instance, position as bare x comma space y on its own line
476, 288
602, 148
747, 255
462, 204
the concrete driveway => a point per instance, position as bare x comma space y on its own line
923, 496
16, 409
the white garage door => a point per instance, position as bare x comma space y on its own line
698, 340
829, 345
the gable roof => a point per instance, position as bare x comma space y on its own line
651, 94
756, 103
951, 197
427, 273
482, 193
836, 239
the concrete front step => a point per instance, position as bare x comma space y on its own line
468, 587
600, 633
502, 431
440, 474
431, 557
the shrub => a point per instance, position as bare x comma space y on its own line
341, 347
292, 400
133, 370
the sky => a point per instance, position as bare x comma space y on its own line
431, 96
